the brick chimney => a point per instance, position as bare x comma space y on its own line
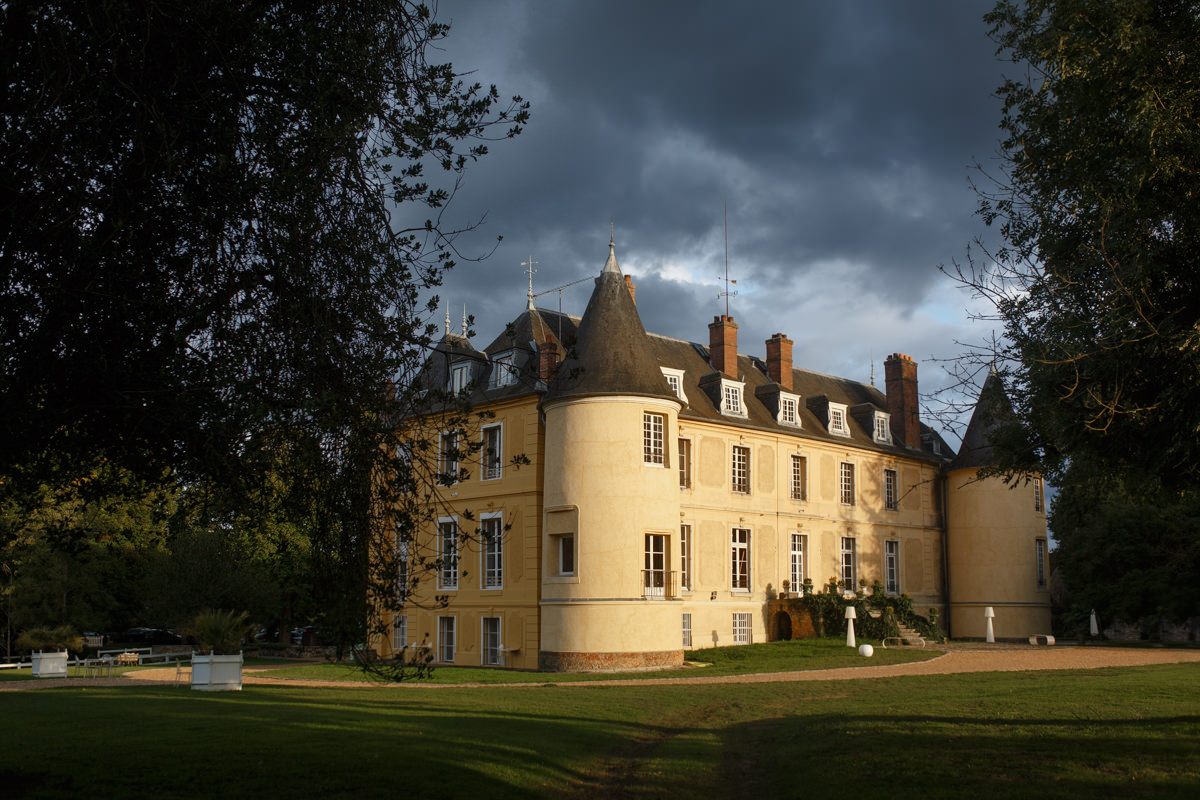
900, 372
722, 345
547, 360
779, 360
632, 287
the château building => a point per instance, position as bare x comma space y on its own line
673, 489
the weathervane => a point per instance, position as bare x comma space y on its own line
530, 271
727, 294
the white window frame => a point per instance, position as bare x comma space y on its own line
891, 489
491, 550
838, 420
883, 427
733, 398
739, 560
447, 638
685, 463
491, 654
566, 544
739, 478
654, 439
848, 569
891, 566
675, 381
847, 491
399, 633
798, 561
447, 549
504, 372
448, 457
798, 478
789, 410
400, 550
1040, 562
743, 627
1039, 496
685, 556
493, 458
686, 624
460, 377
656, 572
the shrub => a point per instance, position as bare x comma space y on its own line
220, 632
63, 637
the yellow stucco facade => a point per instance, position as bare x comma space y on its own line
673, 490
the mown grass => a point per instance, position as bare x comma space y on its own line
800, 654
1113, 732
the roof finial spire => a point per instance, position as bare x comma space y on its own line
464, 327
447, 317
871, 356
529, 270
611, 264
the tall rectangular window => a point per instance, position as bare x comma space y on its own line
685, 463
1040, 554
687, 630
460, 378
447, 630
847, 483
566, 554
739, 570
399, 633
448, 458
400, 554
492, 528
652, 439
850, 563
891, 566
891, 495
883, 428
448, 553
740, 478
1039, 500
493, 652
799, 478
799, 561
654, 573
685, 557
493, 452
741, 627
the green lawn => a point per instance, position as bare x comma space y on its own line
1115, 732
799, 654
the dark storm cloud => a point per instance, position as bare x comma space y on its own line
839, 134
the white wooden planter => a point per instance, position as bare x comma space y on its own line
50, 665
212, 673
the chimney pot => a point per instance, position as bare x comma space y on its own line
632, 287
779, 360
900, 375
722, 345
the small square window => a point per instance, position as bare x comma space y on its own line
675, 381
503, 371
731, 398
837, 420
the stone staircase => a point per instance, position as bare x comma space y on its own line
910, 637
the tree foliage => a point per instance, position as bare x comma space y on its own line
1097, 285
219, 221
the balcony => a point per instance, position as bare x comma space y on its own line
659, 584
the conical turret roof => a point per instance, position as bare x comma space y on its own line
992, 409
612, 354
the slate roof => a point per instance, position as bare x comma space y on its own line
992, 408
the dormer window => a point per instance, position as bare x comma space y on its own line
731, 398
503, 371
460, 378
837, 420
883, 428
789, 410
675, 381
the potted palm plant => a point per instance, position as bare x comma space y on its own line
221, 634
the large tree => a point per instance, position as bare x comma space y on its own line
215, 236
1097, 284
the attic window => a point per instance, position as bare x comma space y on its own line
460, 377
503, 371
675, 381
731, 398
789, 413
883, 428
837, 420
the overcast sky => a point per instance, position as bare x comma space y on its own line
841, 135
